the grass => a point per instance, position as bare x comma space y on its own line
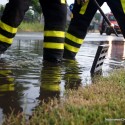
30, 27
101, 103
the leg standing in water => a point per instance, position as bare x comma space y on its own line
12, 17
55, 13
82, 16
54, 30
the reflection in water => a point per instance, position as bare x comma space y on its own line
116, 50
116, 54
71, 74
50, 81
115, 57
9, 98
23, 63
23, 67
52, 77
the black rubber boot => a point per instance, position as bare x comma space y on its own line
3, 47
69, 55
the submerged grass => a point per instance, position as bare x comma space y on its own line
30, 27
101, 103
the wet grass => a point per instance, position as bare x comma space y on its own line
30, 27
101, 103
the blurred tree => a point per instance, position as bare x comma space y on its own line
1, 8
97, 16
36, 6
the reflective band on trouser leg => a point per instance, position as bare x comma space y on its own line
53, 39
5, 39
7, 33
84, 7
82, 16
54, 30
74, 39
7, 28
72, 45
71, 48
54, 34
63, 1
12, 16
123, 5
50, 45
53, 45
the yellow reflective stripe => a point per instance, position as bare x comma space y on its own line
84, 7
54, 34
74, 39
63, 1
50, 45
7, 27
5, 72
5, 39
10, 79
7, 87
54, 79
123, 5
51, 87
71, 15
71, 48
72, 76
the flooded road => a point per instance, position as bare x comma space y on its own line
25, 80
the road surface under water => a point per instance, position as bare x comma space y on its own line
25, 81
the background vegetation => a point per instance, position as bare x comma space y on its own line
34, 14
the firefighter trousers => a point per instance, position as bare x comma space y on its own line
12, 17
54, 12
82, 16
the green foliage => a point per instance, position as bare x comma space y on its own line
36, 6
97, 16
30, 27
2, 8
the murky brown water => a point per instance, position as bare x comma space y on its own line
25, 81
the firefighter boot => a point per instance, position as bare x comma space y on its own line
3, 47
54, 29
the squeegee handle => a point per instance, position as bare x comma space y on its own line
102, 13
104, 16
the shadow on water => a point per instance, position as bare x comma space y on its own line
25, 81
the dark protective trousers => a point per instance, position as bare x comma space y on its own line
82, 16
11, 19
54, 30
55, 13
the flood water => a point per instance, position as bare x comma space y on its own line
25, 81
